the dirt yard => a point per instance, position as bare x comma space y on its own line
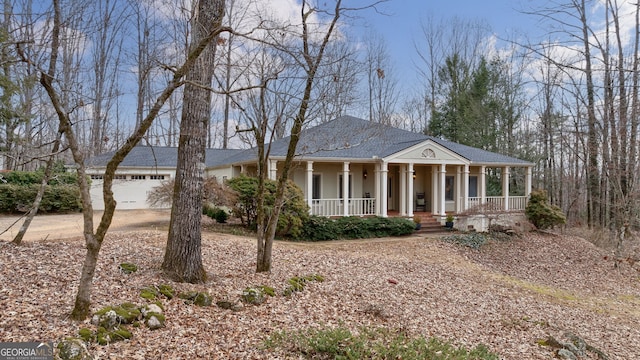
508, 295
54, 227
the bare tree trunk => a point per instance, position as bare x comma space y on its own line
227, 98
43, 186
183, 258
93, 240
593, 171
266, 234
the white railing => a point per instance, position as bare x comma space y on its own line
367, 206
518, 202
335, 207
496, 203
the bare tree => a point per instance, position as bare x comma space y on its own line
107, 40
337, 82
39, 195
312, 42
381, 84
94, 240
595, 50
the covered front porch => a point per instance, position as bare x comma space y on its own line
381, 188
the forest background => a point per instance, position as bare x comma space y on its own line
564, 96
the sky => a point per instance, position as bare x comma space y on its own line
402, 25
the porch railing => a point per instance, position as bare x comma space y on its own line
335, 207
496, 203
367, 206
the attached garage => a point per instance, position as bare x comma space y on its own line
143, 169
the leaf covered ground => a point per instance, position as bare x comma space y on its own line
508, 295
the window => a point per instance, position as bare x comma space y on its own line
96, 177
340, 187
473, 186
120, 177
156, 177
316, 186
448, 188
138, 177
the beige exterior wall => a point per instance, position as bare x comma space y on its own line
330, 177
221, 174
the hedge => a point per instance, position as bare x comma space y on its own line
35, 177
318, 228
57, 198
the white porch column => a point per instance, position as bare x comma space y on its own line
483, 185
527, 182
403, 190
505, 186
443, 180
345, 188
457, 195
435, 194
310, 184
465, 187
273, 170
409, 194
377, 193
384, 173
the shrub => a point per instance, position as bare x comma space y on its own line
318, 228
216, 213
56, 198
542, 214
58, 177
213, 192
18, 190
292, 215
391, 226
352, 227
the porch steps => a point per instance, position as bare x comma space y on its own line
428, 224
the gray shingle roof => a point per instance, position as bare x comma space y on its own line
348, 137
159, 156
479, 156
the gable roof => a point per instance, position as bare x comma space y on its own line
160, 157
351, 138
345, 138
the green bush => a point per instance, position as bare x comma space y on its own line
59, 177
381, 226
352, 227
216, 213
56, 198
542, 214
292, 215
18, 190
317, 228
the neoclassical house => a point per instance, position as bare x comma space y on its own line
388, 171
